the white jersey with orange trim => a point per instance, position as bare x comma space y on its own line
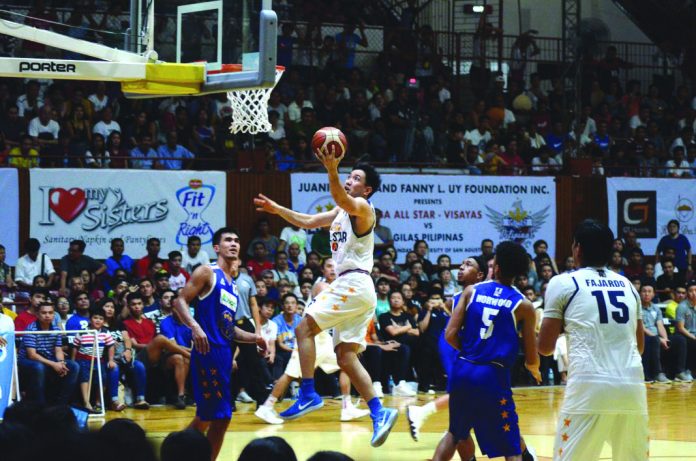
600, 310
351, 251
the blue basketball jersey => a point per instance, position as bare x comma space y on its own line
490, 330
216, 310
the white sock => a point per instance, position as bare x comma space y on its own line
270, 401
346, 402
429, 408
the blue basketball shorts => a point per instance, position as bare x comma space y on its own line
481, 399
448, 355
210, 377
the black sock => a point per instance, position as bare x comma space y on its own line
527, 456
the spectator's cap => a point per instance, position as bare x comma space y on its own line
32, 245
161, 274
381, 280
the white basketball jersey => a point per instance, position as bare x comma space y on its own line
348, 250
600, 310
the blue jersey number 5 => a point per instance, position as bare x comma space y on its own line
619, 310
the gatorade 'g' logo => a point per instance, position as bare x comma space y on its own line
637, 212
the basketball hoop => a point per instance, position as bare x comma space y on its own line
250, 105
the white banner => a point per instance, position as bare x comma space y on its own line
452, 213
97, 206
9, 230
646, 205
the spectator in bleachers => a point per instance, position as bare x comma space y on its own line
397, 325
163, 310
41, 360
118, 260
75, 261
634, 268
79, 320
143, 156
346, 43
655, 336
30, 315
45, 132
177, 275
147, 292
24, 155
107, 124
153, 248
680, 244
29, 103
173, 156
194, 255
684, 339
677, 166
98, 156
78, 132
432, 321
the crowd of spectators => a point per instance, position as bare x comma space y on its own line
400, 105
32, 431
145, 349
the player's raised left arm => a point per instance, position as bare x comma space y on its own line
457, 321
303, 220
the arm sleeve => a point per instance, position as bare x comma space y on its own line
558, 294
48, 265
681, 314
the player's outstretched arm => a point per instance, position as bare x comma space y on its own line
303, 220
457, 321
198, 284
525, 314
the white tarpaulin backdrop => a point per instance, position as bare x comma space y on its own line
646, 205
96, 206
452, 213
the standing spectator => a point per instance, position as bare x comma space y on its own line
173, 156
33, 263
75, 261
681, 246
523, 48
41, 360
655, 336
107, 124
24, 155
144, 156
684, 339
347, 41
286, 43
144, 263
83, 353
194, 255
118, 260
286, 341
46, 135
432, 321
400, 115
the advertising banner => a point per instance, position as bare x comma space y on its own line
646, 205
9, 230
97, 206
451, 213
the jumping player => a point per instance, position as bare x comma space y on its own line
326, 360
213, 329
600, 311
349, 302
483, 328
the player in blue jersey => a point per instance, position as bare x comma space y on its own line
213, 330
484, 329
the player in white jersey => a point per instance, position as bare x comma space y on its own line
326, 360
349, 303
600, 312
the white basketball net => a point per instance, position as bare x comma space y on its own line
250, 108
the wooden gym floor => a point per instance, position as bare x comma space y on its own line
672, 426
